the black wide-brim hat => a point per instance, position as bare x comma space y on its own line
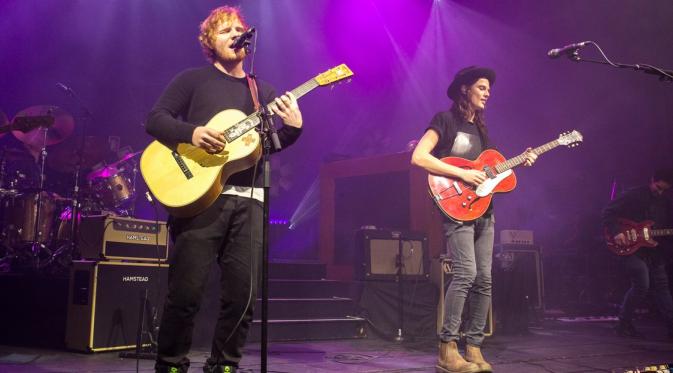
469, 76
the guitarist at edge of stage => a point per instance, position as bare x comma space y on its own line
647, 267
461, 132
228, 232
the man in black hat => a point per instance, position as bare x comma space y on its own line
461, 132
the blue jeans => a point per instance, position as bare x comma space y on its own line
647, 273
471, 247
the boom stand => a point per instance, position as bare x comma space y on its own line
399, 263
74, 212
145, 313
663, 74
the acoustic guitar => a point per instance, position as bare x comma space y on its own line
186, 179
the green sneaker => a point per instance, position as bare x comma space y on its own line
219, 369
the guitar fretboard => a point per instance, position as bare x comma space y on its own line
515, 161
252, 120
662, 232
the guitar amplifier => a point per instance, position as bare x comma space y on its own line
108, 237
516, 237
104, 301
378, 250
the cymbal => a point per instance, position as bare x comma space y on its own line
126, 157
64, 157
63, 126
112, 168
102, 173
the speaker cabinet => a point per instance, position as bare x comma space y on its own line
518, 286
378, 251
104, 303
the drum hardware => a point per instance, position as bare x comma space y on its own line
32, 236
112, 185
51, 132
38, 207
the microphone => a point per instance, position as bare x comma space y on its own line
65, 88
243, 39
568, 49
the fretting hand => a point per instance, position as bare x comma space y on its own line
530, 157
287, 109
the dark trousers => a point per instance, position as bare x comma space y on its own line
647, 273
223, 233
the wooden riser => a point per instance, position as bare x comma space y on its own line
315, 308
310, 329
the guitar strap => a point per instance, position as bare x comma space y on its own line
252, 83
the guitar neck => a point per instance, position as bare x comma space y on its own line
252, 120
299, 92
662, 232
515, 161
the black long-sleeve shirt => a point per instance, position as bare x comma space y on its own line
638, 204
194, 96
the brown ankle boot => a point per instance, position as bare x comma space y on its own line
473, 354
450, 360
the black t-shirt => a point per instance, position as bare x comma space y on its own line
195, 96
457, 137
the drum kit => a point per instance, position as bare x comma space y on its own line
42, 193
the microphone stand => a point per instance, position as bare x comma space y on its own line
86, 116
269, 137
399, 263
664, 75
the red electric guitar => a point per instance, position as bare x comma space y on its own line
465, 202
638, 234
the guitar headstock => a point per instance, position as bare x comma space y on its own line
570, 139
333, 75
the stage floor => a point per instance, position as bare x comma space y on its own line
554, 347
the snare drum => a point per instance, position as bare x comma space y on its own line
115, 191
20, 214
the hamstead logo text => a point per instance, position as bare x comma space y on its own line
137, 237
135, 278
